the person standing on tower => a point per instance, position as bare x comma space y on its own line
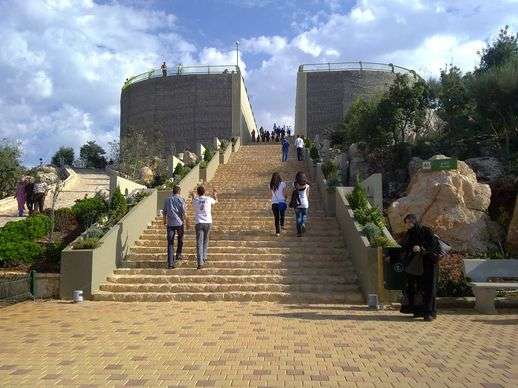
164, 69
299, 143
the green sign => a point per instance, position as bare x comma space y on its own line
440, 164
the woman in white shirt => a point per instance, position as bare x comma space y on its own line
278, 191
301, 210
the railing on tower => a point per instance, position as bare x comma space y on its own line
360, 65
182, 70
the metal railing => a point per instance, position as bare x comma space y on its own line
17, 287
360, 65
182, 70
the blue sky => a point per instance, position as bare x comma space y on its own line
63, 62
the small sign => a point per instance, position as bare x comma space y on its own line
440, 164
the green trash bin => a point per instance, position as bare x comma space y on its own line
394, 275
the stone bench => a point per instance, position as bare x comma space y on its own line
481, 271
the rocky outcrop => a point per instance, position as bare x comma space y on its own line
487, 168
452, 203
146, 174
512, 234
190, 158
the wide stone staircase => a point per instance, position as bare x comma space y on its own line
246, 262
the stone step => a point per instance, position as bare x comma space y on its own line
232, 250
239, 256
347, 278
300, 244
305, 265
263, 237
281, 297
232, 287
257, 231
183, 270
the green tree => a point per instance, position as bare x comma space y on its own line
404, 106
501, 51
92, 155
495, 93
63, 156
361, 119
10, 167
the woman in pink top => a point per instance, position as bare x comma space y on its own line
20, 196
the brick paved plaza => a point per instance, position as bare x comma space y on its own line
251, 344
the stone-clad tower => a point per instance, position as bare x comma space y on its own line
188, 106
326, 91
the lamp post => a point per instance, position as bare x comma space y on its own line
237, 53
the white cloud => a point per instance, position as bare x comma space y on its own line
362, 15
264, 44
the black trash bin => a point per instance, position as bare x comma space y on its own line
394, 275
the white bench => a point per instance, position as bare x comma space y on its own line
480, 271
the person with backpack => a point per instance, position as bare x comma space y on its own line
203, 218
300, 201
278, 191
285, 147
174, 218
422, 251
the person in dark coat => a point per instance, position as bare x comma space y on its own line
29, 195
421, 241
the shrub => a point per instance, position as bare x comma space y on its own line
369, 215
19, 252
94, 231
307, 143
31, 228
383, 242
208, 154
371, 231
329, 169
89, 210
64, 219
224, 144
87, 243
181, 171
203, 164
137, 197
451, 277
358, 197
118, 205
313, 153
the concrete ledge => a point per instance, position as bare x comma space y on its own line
237, 145
47, 285
208, 173
225, 155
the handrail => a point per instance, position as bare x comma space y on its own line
350, 66
182, 70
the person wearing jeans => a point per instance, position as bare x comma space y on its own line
203, 218
301, 210
299, 143
285, 149
278, 192
174, 218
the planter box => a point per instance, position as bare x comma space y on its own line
224, 156
207, 173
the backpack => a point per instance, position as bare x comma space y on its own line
295, 200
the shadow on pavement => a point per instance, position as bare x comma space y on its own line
324, 317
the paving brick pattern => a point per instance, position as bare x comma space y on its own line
205, 344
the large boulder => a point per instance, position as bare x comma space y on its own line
190, 158
512, 234
451, 202
487, 168
146, 174
48, 174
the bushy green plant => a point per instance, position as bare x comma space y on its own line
87, 243
208, 154
224, 144
19, 252
181, 171
358, 197
203, 164
89, 210
64, 219
94, 231
371, 231
329, 169
307, 143
383, 242
32, 228
313, 153
118, 205
138, 196
366, 215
